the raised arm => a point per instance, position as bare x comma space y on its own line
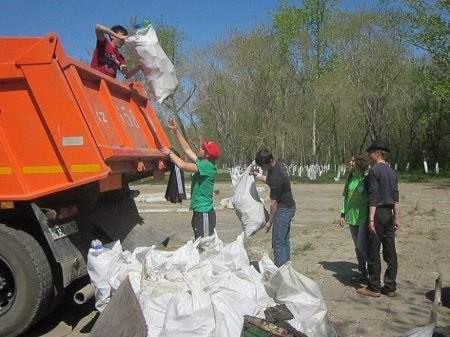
188, 167
181, 140
101, 30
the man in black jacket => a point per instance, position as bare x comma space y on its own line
384, 212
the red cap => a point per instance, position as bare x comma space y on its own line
212, 149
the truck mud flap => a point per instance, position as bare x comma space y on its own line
66, 253
110, 220
120, 220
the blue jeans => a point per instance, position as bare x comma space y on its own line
281, 228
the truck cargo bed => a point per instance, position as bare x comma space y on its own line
64, 124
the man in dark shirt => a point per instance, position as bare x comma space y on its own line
282, 204
383, 221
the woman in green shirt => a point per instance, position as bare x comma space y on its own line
354, 211
204, 172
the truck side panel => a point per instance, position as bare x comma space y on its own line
64, 124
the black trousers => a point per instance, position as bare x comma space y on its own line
203, 224
385, 237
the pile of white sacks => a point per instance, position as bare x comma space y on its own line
205, 288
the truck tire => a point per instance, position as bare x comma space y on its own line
25, 281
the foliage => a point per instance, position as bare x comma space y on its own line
320, 83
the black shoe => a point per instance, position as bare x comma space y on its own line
360, 278
388, 293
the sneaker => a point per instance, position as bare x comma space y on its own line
388, 293
367, 292
359, 278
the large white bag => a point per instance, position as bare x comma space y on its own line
247, 204
303, 298
189, 312
100, 265
159, 71
424, 331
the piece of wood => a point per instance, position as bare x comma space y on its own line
122, 316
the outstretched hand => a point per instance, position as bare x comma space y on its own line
172, 124
165, 150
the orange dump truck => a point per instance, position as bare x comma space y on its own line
71, 140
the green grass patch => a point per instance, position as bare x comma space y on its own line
303, 248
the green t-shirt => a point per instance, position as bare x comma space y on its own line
356, 200
202, 188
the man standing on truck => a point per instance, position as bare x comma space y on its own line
106, 57
202, 189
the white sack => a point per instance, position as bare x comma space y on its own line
100, 264
126, 265
266, 267
262, 298
184, 293
189, 314
154, 298
158, 69
229, 310
245, 282
247, 204
303, 298
424, 331
158, 263
231, 257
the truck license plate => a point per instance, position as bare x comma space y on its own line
63, 230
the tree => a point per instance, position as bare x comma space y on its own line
429, 31
303, 33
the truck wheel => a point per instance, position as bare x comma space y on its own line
25, 281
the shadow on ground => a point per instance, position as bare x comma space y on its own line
343, 271
445, 296
68, 312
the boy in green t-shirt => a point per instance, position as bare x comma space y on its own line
202, 188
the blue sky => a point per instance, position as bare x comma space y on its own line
203, 21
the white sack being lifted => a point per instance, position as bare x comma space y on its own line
205, 290
246, 202
158, 69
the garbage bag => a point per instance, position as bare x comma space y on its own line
159, 71
188, 312
247, 204
101, 262
423, 331
303, 298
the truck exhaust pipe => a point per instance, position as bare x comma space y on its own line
84, 294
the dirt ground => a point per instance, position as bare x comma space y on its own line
324, 252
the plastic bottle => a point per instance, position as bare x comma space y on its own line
96, 244
145, 23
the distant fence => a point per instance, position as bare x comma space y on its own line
315, 171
